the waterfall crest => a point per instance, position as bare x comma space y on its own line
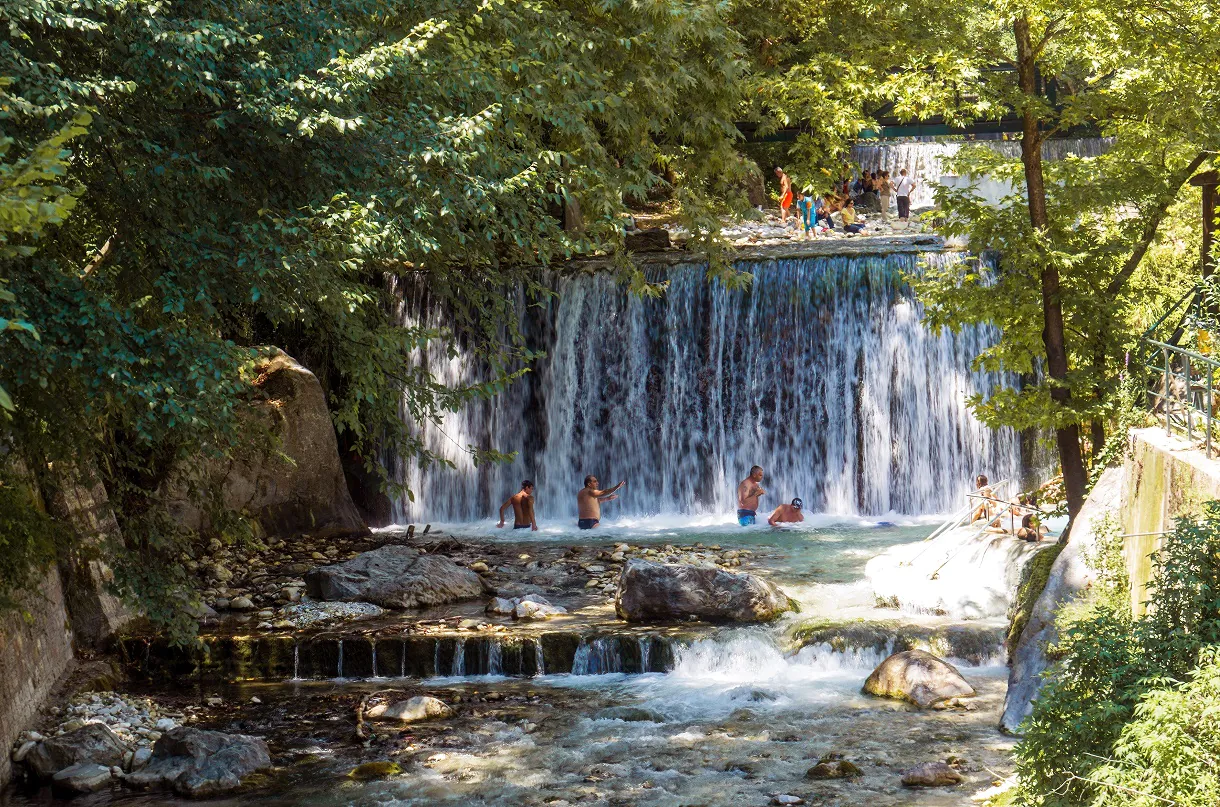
821, 372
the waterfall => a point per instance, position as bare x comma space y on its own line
821, 372
339, 673
645, 651
924, 160
374, 646
459, 657
296, 661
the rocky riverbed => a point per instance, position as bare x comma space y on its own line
578, 707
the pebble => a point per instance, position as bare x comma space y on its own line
241, 604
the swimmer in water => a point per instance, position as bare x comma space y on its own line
523, 508
787, 513
748, 493
589, 502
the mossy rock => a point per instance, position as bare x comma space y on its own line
375, 770
1033, 581
834, 769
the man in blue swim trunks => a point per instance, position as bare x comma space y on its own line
589, 502
748, 493
523, 508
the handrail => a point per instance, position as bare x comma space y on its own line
1192, 384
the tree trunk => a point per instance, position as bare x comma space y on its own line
1067, 437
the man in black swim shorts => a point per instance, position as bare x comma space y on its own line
523, 508
589, 502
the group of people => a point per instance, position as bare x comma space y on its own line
871, 191
1003, 517
590, 497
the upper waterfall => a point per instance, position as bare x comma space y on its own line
821, 372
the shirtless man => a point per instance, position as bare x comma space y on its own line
747, 496
785, 194
787, 513
523, 508
589, 502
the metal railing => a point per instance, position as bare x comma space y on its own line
1182, 392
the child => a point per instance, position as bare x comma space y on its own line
805, 207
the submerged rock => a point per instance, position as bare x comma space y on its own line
630, 714
930, 774
421, 707
93, 743
198, 763
918, 677
394, 577
375, 770
834, 769
648, 590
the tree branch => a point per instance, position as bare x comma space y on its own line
1151, 224
102, 253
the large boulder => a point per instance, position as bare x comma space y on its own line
198, 763
294, 486
93, 743
394, 577
657, 591
919, 678
1070, 576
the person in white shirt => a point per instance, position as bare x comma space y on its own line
902, 189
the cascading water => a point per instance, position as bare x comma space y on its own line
459, 658
821, 372
924, 160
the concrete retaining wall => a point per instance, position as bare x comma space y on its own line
35, 655
1167, 477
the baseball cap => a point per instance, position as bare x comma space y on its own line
797, 503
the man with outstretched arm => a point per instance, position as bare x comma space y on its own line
523, 508
788, 513
589, 502
748, 493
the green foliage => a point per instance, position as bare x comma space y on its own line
1170, 751
1112, 670
309, 176
29, 540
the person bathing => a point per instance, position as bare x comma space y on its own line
787, 513
589, 502
523, 508
748, 493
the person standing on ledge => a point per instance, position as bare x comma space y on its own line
589, 502
788, 513
748, 493
902, 189
523, 508
785, 195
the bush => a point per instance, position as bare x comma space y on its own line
1115, 674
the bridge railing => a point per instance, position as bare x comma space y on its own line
1182, 392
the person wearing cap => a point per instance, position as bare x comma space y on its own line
788, 513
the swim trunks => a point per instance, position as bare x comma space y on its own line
522, 526
786, 200
745, 517
587, 523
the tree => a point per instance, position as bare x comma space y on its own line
1090, 222
305, 176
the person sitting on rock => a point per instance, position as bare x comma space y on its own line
1032, 528
787, 513
986, 508
851, 224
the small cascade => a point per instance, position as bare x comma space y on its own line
339, 674
598, 657
539, 663
296, 661
459, 658
402, 658
495, 658
436, 658
645, 652
374, 652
